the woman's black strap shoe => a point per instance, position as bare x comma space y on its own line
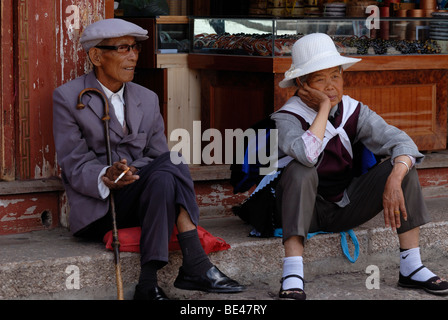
434, 285
293, 293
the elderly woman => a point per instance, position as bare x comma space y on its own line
319, 190
154, 193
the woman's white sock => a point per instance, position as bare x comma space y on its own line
292, 265
409, 261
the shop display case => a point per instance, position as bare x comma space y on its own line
403, 74
168, 35
352, 36
172, 34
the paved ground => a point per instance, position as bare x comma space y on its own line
344, 286
34, 266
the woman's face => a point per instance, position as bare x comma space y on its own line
328, 81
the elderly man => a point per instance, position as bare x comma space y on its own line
319, 190
154, 193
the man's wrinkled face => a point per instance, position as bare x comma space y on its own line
113, 68
328, 81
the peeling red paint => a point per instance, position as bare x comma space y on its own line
218, 194
24, 213
433, 177
70, 56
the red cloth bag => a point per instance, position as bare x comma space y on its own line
130, 240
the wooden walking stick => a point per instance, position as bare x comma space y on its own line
115, 242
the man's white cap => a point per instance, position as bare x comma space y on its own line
110, 28
312, 53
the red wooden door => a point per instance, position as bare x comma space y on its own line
40, 50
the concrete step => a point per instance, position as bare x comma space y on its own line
47, 264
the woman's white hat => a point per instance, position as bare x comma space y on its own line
312, 53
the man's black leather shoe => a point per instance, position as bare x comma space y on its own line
155, 293
213, 281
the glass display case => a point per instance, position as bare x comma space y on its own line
172, 34
402, 76
274, 37
167, 35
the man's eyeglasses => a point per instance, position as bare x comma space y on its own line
123, 48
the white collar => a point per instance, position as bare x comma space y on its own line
109, 93
297, 106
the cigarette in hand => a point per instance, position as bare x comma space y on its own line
122, 174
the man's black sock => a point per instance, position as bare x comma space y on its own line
195, 261
148, 275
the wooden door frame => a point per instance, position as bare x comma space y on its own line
7, 91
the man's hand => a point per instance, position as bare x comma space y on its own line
393, 199
115, 170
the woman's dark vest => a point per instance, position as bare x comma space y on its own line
335, 167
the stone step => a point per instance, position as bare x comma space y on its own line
46, 264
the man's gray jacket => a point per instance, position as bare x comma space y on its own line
81, 146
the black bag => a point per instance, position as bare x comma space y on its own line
244, 176
260, 211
